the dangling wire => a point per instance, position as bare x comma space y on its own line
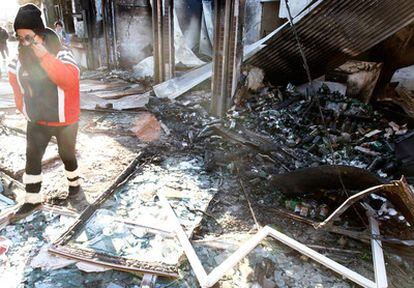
302, 52
315, 99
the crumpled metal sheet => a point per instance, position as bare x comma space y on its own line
330, 32
308, 180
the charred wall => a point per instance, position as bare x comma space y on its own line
189, 16
134, 31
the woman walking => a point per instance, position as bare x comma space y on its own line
45, 81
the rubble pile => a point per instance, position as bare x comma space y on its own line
183, 120
349, 133
327, 128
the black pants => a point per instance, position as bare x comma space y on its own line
38, 137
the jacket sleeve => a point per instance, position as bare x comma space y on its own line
63, 70
18, 95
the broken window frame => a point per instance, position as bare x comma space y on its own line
60, 246
209, 280
148, 280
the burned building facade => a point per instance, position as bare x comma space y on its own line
119, 34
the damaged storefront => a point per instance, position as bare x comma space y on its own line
224, 144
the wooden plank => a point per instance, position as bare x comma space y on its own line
185, 243
7, 215
93, 102
118, 263
90, 86
112, 95
59, 210
177, 86
325, 261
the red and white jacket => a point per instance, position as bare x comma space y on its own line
51, 99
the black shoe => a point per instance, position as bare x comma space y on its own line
74, 191
25, 210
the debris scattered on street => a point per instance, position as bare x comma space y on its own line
125, 221
285, 154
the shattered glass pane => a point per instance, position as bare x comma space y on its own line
114, 228
107, 235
